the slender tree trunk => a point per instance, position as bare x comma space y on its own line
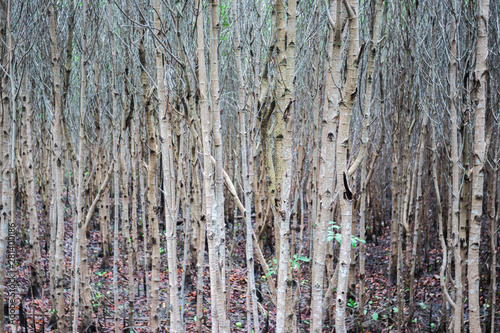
208, 183
127, 238
169, 182
492, 222
4, 168
439, 213
465, 198
326, 183
58, 165
479, 154
455, 190
80, 238
147, 197
247, 186
416, 229
219, 249
34, 241
365, 171
14, 188
132, 242
284, 112
200, 246
346, 105
154, 231
116, 171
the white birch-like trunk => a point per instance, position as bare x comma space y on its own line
79, 238
346, 104
4, 171
169, 190
283, 151
58, 165
455, 188
28, 162
208, 182
219, 249
479, 157
246, 177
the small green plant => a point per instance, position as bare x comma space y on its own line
352, 303
294, 264
271, 268
332, 234
296, 261
101, 273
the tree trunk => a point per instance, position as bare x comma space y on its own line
58, 165
416, 228
326, 183
219, 319
80, 237
346, 105
219, 249
284, 112
455, 190
247, 185
4, 167
34, 241
169, 182
479, 155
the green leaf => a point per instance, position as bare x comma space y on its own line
338, 238
395, 309
375, 316
238, 324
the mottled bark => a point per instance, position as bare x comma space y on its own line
480, 77
31, 191
455, 188
58, 171
346, 105
218, 242
80, 238
246, 180
326, 183
282, 134
169, 178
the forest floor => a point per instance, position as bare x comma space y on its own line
380, 314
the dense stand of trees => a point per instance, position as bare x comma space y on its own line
168, 128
